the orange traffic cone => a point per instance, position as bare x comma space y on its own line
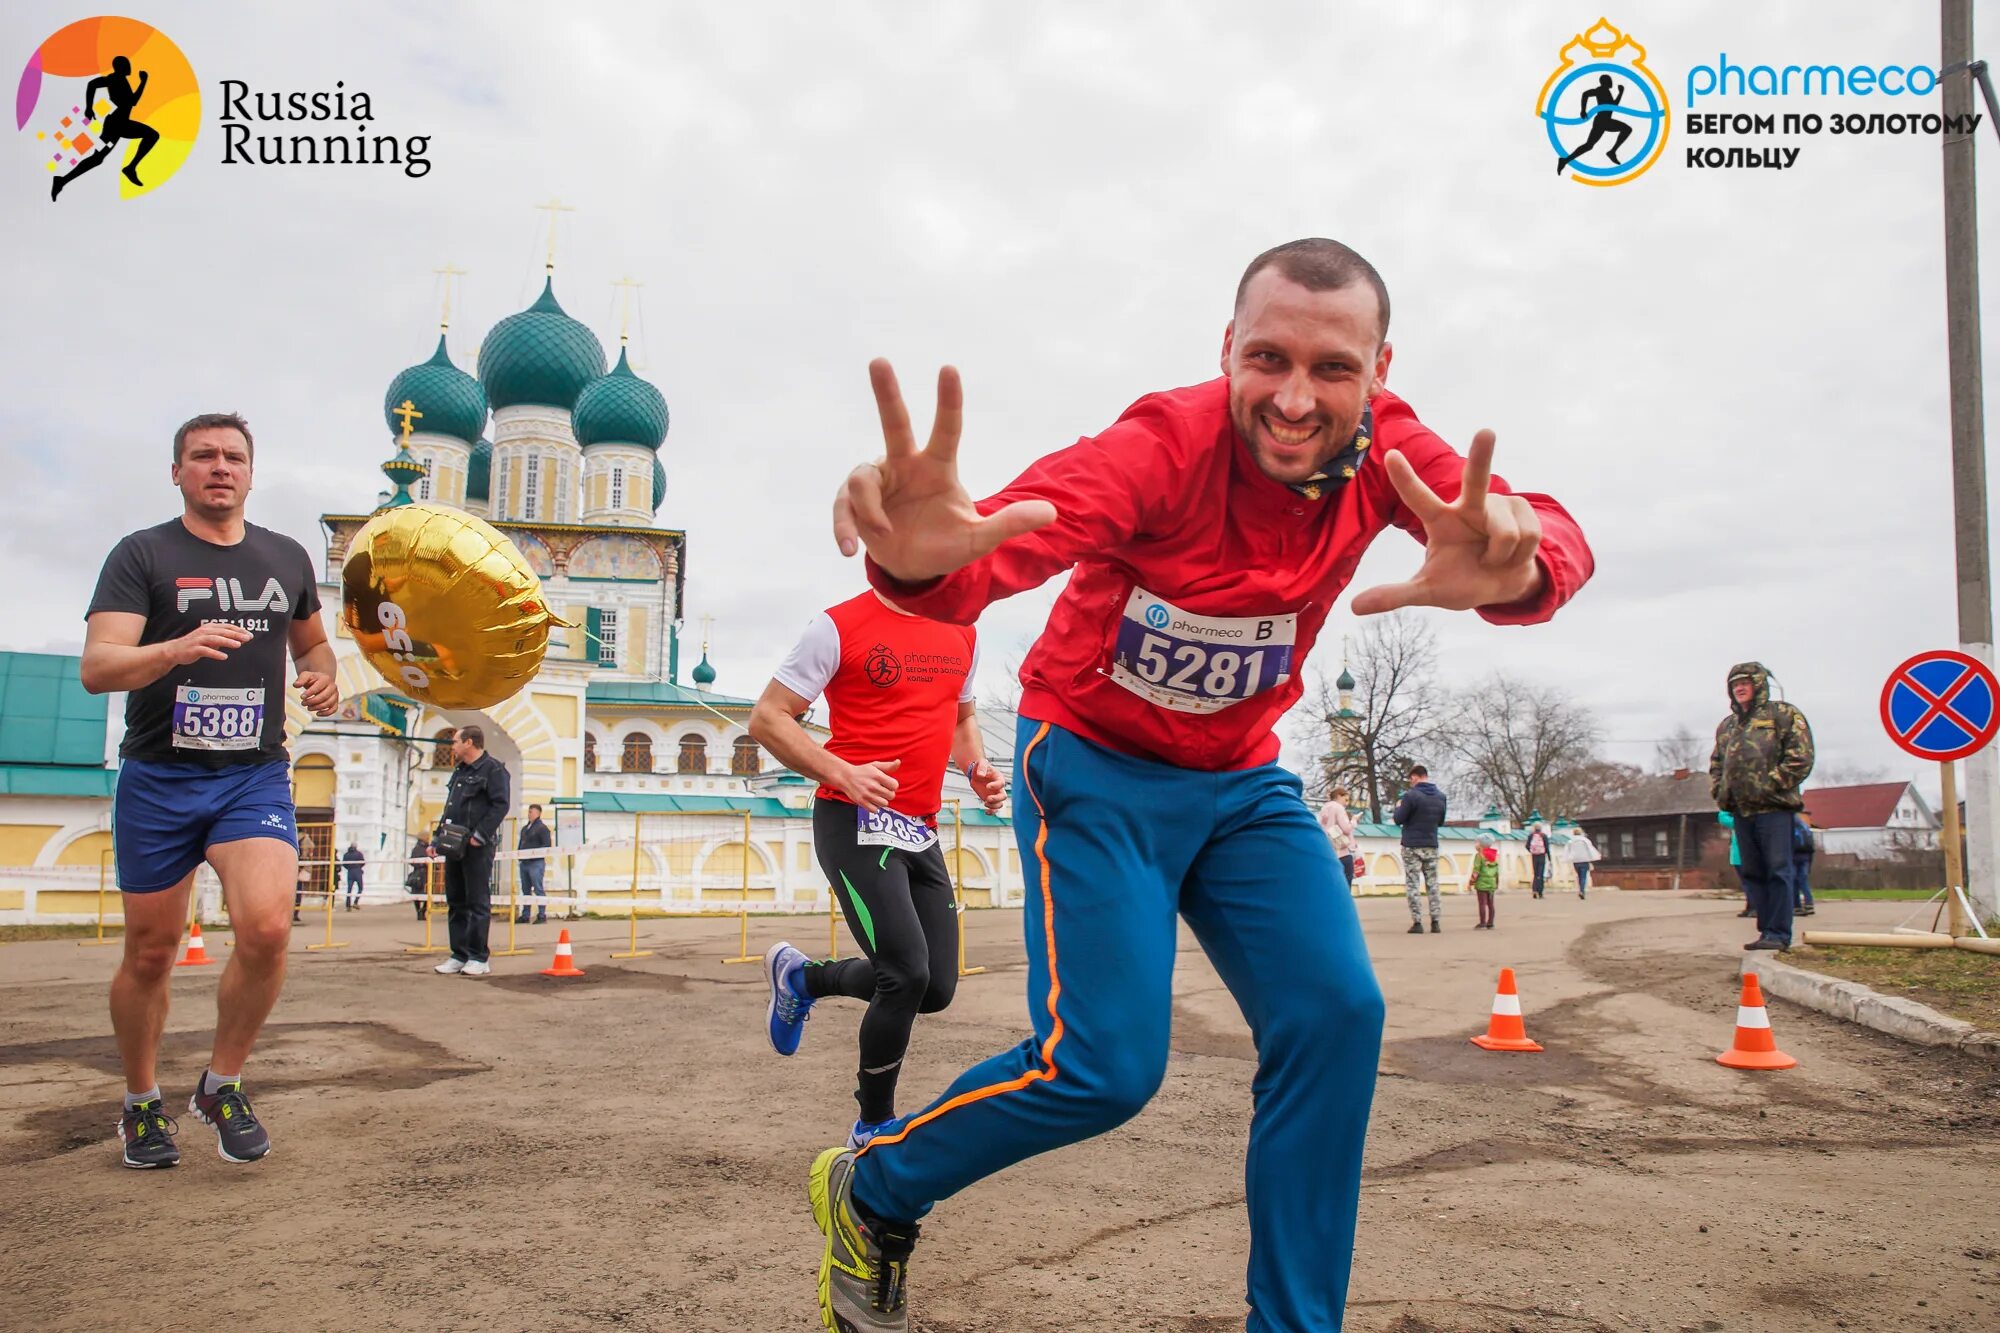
564, 965
1504, 1030
196, 955
1754, 1047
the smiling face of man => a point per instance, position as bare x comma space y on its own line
1302, 365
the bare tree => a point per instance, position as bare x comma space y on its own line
1003, 688
1524, 747
1681, 750
1849, 775
1399, 707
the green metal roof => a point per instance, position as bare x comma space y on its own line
657, 694
620, 408
659, 486
46, 716
540, 355
451, 401
1447, 834
623, 802
56, 780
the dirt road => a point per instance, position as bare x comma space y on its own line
624, 1151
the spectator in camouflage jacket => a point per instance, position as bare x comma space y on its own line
1763, 754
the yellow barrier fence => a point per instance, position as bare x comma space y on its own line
103, 879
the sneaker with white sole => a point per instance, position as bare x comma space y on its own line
450, 967
786, 1013
476, 968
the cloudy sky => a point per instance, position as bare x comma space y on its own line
1734, 379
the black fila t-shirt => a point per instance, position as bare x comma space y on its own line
209, 712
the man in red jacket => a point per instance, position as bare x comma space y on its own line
1209, 532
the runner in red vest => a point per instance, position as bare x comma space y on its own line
899, 689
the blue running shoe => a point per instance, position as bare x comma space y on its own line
784, 969
857, 1138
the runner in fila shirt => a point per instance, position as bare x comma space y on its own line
193, 619
1210, 532
899, 690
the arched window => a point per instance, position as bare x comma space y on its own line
589, 753
441, 756
694, 755
638, 754
746, 760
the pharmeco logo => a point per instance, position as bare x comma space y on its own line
108, 87
1604, 113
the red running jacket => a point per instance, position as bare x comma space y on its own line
1200, 584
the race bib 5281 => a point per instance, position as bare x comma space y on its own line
1199, 664
218, 719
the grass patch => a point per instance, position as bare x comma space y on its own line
1953, 981
18, 934
1873, 895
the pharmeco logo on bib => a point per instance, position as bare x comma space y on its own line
1604, 113
111, 96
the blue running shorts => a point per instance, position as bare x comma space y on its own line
165, 817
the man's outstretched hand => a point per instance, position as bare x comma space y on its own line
1479, 550
907, 507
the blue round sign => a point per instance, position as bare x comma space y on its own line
1941, 705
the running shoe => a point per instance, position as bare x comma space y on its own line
147, 1132
238, 1135
857, 1138
450, 967
863, 1272
785, 1016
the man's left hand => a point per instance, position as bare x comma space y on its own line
987, 785
318, 693
1479, 550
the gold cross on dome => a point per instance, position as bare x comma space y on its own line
625, 309
448, 272
408, 412
553, 207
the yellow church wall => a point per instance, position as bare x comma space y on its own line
804, 860
978, 897
80, 901
12, 900
85, 851
569, 777
20, 844
753, 895
559, 710
612, 863
632, 650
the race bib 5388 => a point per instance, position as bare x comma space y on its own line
1199, 664
218, 719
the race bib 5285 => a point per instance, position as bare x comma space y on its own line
1199, 664
889, 828
218, 719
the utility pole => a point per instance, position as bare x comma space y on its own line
1968, 435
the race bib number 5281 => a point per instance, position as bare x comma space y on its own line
1199, 664
207, 719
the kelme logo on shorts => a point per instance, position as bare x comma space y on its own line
108, 87
1605, 114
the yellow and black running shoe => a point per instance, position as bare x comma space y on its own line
238, 1136
147, 1132
863, 1272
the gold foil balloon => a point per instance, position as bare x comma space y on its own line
443, 605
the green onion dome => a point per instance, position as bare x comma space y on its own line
451, 401
620, 408
539, 356
479, 471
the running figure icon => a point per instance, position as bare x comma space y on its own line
117, 125
1603, 123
